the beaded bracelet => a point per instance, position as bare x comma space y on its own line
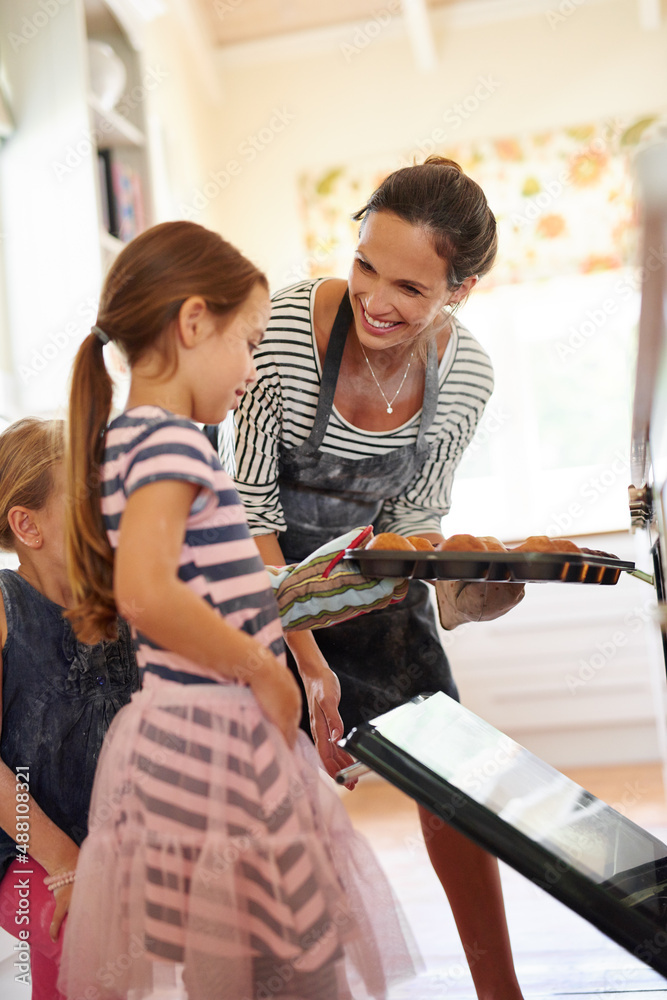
53, 882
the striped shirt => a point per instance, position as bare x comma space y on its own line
219, 559
279, 411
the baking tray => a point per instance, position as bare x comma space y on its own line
499, 567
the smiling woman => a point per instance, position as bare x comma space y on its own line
394, 312
368, 393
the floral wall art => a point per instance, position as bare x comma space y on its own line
563, 200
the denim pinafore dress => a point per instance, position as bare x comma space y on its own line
387, 656
59, 697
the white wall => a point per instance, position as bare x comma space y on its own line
47, 208
184, 108
347, 104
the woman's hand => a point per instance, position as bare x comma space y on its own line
322, 689
278, 696
475, 602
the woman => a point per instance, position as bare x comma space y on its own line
368, 393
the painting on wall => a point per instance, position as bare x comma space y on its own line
563, 199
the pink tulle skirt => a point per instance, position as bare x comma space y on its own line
216, 852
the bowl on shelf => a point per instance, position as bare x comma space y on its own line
107, 74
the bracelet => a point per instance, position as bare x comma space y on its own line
53, 882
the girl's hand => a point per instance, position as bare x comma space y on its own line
323, 694
63, 897
322, 689
279, 697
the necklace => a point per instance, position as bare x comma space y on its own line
389, 402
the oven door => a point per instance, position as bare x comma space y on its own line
568, 842
648, 493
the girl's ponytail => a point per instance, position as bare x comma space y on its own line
89, 555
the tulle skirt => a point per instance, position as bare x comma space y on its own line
217, 852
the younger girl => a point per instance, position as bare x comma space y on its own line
207, 843
58, 699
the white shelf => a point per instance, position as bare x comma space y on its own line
120, 133
60, 238
114, 129
110, 244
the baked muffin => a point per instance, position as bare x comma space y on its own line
421, 544
462, 543
536, 543
565, 545
492, 544
391, 542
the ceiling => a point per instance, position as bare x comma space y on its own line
247, 31
231, 22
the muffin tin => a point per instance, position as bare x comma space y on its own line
499, 567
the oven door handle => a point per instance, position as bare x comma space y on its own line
646, 577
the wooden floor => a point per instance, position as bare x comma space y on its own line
557, 953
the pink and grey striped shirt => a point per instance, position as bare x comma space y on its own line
219, 559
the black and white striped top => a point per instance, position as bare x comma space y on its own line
280, 409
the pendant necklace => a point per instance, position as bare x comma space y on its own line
389, 402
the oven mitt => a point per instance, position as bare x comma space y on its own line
461, 601
326, 588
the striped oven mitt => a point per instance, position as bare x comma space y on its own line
326, 588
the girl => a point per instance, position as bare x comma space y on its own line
58, 698
207, 844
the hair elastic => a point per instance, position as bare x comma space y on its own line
100, 334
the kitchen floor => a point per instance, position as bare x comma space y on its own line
556, 952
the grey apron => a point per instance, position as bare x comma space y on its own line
385, 657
